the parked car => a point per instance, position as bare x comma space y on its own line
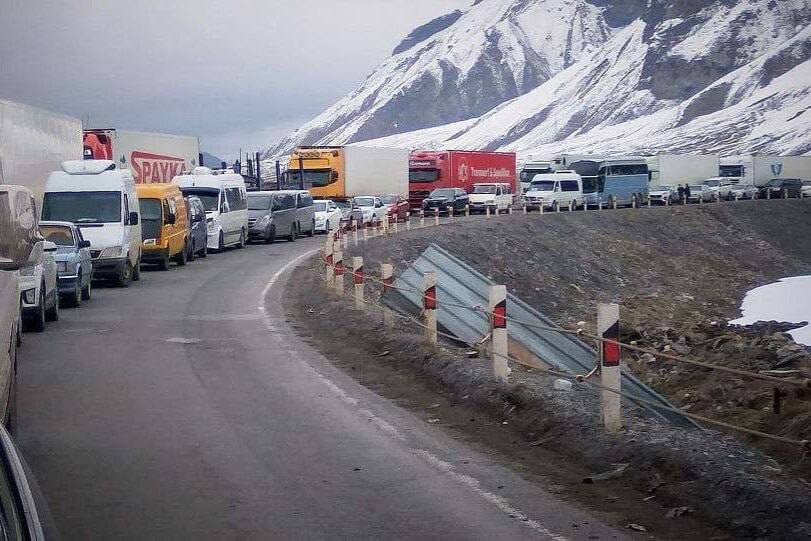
777, 186
442, 198
664, 195
553, 191
272, 215
700, 193
74, 266
493, 196
742, 191
164, 224
397, 207
349, 216
720, 186
371, 207
38, 289
805, 191
305, 213
101, 200
327, 215
24, 513
198, 233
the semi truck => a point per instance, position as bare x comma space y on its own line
532, 168
343, 172
429, 170
152, 157
759, 170
673, 169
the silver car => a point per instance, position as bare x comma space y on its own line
74, 266
272, 215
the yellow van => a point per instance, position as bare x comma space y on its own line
164, 224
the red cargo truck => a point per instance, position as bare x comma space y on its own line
429, 169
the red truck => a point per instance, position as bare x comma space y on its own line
431, 169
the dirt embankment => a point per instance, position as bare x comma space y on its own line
674, 271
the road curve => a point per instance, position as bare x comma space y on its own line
185, 407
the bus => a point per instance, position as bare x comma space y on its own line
619, 181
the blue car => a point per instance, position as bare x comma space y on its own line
74, 266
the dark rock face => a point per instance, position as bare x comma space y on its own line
421, 33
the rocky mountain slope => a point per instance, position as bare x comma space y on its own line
684, 75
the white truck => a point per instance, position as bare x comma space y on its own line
759, 170
152, 157
674, 169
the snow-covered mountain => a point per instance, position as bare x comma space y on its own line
689, 75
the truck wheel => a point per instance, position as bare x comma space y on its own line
125, 278
241, 243
292, 236
163, 264
52, 314
87, 292
180, 258
136, 272
204, 251
270, 235
74, 298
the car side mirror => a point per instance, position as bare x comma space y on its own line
171, 218
84, 244
48, 246
133, 218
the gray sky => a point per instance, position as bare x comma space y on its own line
236, 73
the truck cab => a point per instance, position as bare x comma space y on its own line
531, 169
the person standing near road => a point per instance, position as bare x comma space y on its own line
681, 193
687, 192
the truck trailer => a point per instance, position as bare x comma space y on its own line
152, 157
759, 169
429, 170
34, 142
673, 169
343, 172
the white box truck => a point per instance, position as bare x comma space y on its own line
340, 173
152, 157
760, 169
673, 169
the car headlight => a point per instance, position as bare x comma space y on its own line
150, 242
263, 221
30, 296
28, 271
111, 253
490, 201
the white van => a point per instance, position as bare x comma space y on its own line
101, 200
496, 196
226, 202
563, 189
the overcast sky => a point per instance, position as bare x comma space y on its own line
236, 73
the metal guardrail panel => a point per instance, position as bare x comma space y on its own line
458, 283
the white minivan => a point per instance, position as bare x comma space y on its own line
495, 196
552, 191
226, 202
100, 199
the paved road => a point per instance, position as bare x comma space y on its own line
185, 408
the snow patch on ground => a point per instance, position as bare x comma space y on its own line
788, 299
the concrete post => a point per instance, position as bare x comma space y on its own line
467, 210
614, 203
396, 227
386, 223
648, 201
571, 205
540, 208
422, 218
408, 221
355, 232
510, 210
357, 278
450, 212
524, 208
785, 193
611, 402
365, 233
429, 306
344, 241
487, 211
498, 332
436, 216
338, 257
328, 258
600, 204
387, 274
768, 193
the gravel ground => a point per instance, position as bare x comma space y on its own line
674, 271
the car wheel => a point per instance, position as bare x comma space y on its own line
125, 278
164, 264
74, 299
554, 206
136, 272
291, 237
180, 258
327, 228
37, 322
311, 232
192, 252
204, 251
87, 292
52, 314
241, 239
221, 242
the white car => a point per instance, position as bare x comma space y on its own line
493, 196
327, 215
664, 195
719, 187
372, 208
39, 294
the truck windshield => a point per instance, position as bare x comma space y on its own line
528, 174
312, 177
209, 196
543, 186
423, 175
259, 202
731, 171
484, 189
82, 207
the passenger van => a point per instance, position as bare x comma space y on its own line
272, 215
226, 202
101, 200
164, 224
563, 189
305, 213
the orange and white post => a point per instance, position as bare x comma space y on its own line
357, 279
338, 257
608, 328
429, 306
328, 259
498, 332
387, 276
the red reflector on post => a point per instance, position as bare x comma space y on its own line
388, 283
611, 350
500, 315
429, 299
339, 268
358, 275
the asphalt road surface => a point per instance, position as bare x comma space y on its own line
185, 407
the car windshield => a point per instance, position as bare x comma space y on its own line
209, 196
343, 205
697, 188
423, 175
60, 235
82, 207
320, 206
258, 202
442, 192
663, 189
712, 183
775, 182
484, 189
365, 201
150, 210
543, 186
389, 199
